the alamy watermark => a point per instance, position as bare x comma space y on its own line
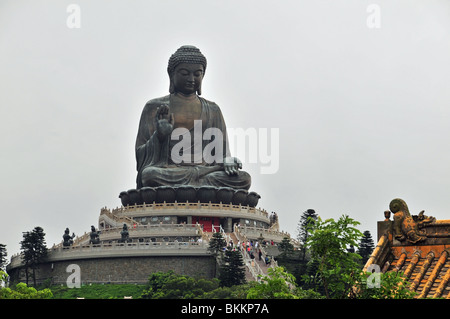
73, 20
74, 279
374, 280
373, 20
249, 145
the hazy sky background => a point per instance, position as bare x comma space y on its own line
363, 113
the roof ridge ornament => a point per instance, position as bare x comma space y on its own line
406, 226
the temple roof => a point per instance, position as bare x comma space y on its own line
425, 263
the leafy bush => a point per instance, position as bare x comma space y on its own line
169, 285
279, 284
336, 264
22, 291
391, 285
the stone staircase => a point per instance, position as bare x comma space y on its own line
255, 267
248, 274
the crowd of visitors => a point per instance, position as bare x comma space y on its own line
253, 249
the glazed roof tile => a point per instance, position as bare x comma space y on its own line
425, 264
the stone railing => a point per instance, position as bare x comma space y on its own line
186, 206
140, 231
268, 234
105, 250
78, 240
104, 212
158, 230
252, 265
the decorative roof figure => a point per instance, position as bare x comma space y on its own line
405, 225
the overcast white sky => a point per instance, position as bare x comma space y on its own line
363, 113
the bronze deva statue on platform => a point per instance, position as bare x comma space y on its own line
95, 236
182, 137
124, 234
68, 239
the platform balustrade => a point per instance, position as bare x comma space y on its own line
116, 249
135, 209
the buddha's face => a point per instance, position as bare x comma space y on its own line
187, 78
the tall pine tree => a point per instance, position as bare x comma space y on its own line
34, 250
232, 271
366, 247
216, 245
308, 217
286, 248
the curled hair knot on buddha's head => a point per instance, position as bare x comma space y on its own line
185, 54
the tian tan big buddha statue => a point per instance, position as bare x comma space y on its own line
182, 138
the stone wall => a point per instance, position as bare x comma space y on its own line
120, 270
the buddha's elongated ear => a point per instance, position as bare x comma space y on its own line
199, 90
171, 87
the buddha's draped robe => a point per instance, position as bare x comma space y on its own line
154, 163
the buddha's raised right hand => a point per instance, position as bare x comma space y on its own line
164, 121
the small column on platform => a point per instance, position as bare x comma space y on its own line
229, 225
189, 220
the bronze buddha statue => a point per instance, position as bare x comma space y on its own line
201, 157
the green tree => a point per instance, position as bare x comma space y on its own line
216, 248
291, 260
174, 286
217, 244
278, 284
232, 271
155, 282
390, 285
286, 248
306, 220
310, 278
296, 261
34, 250
366, 247
233, 292
337, 266
22, 291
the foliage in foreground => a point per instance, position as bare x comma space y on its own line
169, 285
22, 291
336, 266
279, 284
389, 285
232, 271
333, 271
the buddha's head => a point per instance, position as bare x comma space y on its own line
186, 69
